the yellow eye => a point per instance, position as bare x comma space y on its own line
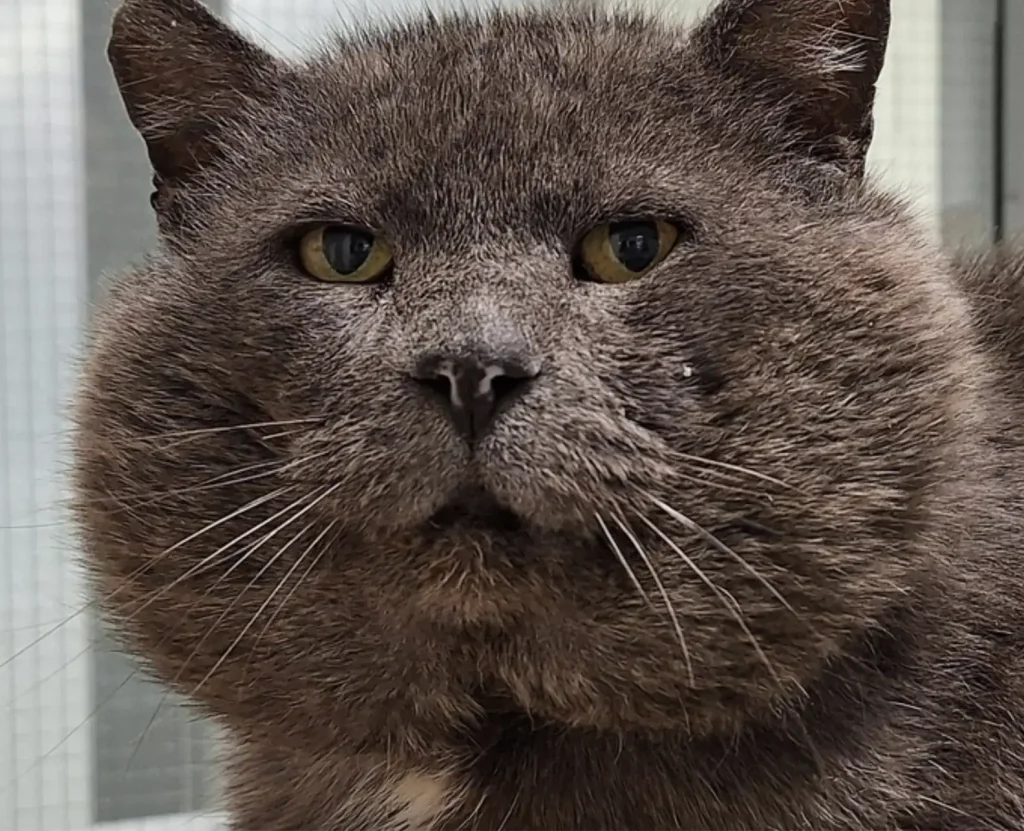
618, 252
341, 254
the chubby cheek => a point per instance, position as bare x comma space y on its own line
304, 343
655, 358
672, 390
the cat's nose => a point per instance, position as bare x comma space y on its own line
475, 388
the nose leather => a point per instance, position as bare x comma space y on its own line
473, 388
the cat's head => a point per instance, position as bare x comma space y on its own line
558, 359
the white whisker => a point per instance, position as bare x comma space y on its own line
216, 623
255, 503
722, 486
721, 594
248, 551
664, 594
700, 460
622, 560
248, 626
302, 577
73, 731
56, 627
706, 535
204, 431
210, 558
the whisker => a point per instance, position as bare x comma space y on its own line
298, 582
163, 442
148, 727
259, 543
245, 555
259, 438
622, 560
40, 683
733, 607
74, 730
706, 535
248, 626
209, 559
129, 506
722, 486
102, 600
170, 434
664, 594
205, 431
222, 480
223, 615
255, 503
280, 435
700, 460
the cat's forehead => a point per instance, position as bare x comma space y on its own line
500, 120
509, 119
525, 51
529, 83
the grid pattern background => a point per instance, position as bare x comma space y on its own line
85, 738
149, 756
44, 740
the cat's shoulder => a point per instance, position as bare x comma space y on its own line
992, 280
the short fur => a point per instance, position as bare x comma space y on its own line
751, 556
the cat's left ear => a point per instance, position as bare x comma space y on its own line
816, 61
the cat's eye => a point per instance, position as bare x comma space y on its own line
343, 254
618, 252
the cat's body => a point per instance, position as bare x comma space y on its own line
633, 465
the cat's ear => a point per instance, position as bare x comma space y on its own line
182, 74
816, 61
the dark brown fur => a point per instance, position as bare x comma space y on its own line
833, 405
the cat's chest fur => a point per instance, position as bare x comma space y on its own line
889, 745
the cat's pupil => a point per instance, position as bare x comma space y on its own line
635, 244
346, 250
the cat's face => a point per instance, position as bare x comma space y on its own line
686, 492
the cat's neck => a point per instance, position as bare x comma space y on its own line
511, 771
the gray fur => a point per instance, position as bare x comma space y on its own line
851, 657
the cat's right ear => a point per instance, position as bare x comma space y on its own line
182, 74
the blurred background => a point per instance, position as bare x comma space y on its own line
86, 741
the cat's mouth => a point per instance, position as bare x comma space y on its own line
475, 509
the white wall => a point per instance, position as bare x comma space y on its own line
906, 152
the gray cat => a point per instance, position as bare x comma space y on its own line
537, 421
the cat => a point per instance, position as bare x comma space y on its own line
539, 419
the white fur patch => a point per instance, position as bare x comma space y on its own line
383, 799
421, 799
